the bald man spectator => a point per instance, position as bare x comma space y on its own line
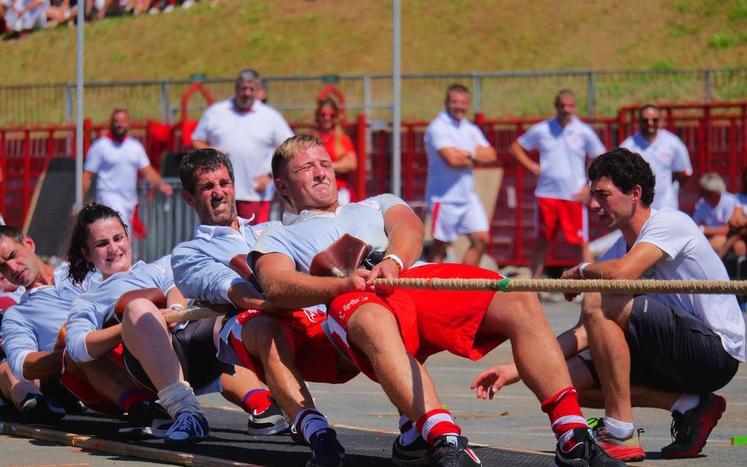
116, 160
564, 142
248, 131
664, 152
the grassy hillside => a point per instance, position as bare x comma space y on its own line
316, 37
289, 37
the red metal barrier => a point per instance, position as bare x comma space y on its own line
715, 134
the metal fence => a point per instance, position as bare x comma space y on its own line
494, 93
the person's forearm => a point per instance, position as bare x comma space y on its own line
485, 154
520, 155
406, 242
244, 296
102, 341
294, 290
40, 365
346, 163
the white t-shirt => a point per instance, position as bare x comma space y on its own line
249, 139
446, 183
563, 152
666, 154
689, 256
711, 216
116, 166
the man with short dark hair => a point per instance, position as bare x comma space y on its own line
668, 351
247, 130
454, 147
665, 153
116, 160
564, 143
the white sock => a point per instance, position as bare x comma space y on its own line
685, 402
408, 430
179, 397
618, 428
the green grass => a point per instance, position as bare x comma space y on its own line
306, 37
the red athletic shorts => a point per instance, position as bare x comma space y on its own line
569, 215
259, 209
429, 320
87, 394
314, 355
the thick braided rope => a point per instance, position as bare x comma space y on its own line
638, 286
190, 314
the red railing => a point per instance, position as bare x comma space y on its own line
715, 134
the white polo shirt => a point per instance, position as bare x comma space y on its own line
249, 139
666, 154
689, 256
563, 152
715, 216
446, 183
116, 166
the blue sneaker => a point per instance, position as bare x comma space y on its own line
328, 452
188, 428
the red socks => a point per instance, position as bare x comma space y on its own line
256, 401
133, 396
565, 415
437, 422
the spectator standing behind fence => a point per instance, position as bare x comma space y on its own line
116, 160
454, 146
339, 146
720, 217
665, 153
563, 142
248, 131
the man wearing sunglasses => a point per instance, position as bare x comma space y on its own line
666, 154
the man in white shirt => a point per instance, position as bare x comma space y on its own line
116, 160
248, 131
669, 351
664, 152
563, 142
720, 216
454, 147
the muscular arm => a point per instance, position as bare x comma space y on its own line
631, 266
288, 288
521, 156
39, 365
405, 231
485, 154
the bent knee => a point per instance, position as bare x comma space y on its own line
261, 333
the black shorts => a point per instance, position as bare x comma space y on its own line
671, 350
196, 352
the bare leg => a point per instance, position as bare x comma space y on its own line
478, 245
539, 360
538, 257
103, 375
234, 387
405, 381
14, 389
605, 318
264, 339
437, 251
147, 337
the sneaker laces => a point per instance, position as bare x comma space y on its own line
680, 428
188, 423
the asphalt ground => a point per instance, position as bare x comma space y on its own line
511, 427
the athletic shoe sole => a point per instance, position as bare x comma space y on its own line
714, 415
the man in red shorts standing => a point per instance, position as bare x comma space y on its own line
563, 142
389, 333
